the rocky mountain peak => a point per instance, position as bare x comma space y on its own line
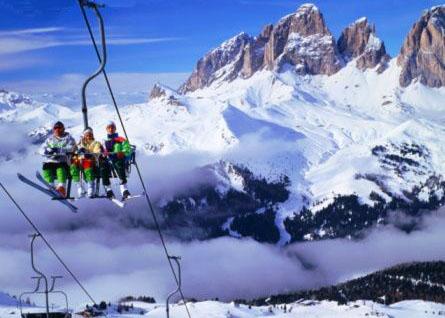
302, 41
10, 100
157, 91
308, 20
423, 53
359, 41
160, 91
223, 63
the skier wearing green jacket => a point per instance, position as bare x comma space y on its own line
118, 151
57, 150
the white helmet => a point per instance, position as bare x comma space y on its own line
87, 130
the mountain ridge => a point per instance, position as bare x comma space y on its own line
302, 41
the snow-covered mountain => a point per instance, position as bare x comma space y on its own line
304, 137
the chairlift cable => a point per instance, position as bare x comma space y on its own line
59, 258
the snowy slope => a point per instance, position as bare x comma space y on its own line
355, 132
309, 309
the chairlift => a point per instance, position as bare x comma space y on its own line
46, 291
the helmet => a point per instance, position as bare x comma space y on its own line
88, 130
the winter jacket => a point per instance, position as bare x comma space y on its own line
57, 149
94, 147
114, 144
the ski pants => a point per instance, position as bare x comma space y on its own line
118, 165
55, 171
87, 166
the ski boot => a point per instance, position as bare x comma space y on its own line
124, 192
61, 189
109, 192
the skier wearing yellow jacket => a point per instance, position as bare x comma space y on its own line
118, 150
87, 160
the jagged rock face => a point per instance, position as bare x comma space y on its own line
224, 62
157, 91
163, 92
359, 41
254, 53
300, 40
422, 56
303, 41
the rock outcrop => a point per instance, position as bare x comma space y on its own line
254, 53
224, 63
302, 41
160, 91
359, 41
422, 56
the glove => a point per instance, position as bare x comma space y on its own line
120, 155
50, 151
81, 151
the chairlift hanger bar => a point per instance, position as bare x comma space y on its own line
91, 4
103, 58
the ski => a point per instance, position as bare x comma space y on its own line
56, 194
47, 191
119, 203
130, 197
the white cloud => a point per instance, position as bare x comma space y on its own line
65, 89
12, 62
18, 44
31, 31
15, 43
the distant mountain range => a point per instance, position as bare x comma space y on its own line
302, 42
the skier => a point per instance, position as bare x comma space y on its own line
118, 150
87, 159
57, 150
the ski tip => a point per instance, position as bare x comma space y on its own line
118, 203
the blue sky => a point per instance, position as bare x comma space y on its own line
41, 40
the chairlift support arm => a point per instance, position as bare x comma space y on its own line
103, 59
